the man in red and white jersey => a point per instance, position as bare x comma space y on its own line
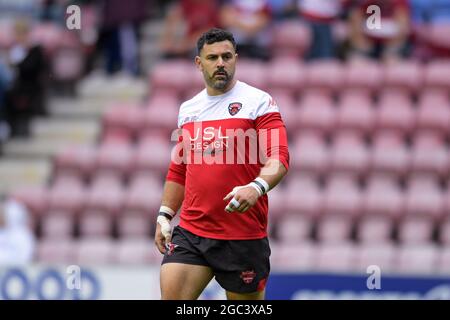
232, 151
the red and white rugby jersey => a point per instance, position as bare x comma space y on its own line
212, 126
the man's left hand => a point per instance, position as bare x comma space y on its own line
242, 198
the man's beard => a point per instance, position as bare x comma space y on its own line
219, 84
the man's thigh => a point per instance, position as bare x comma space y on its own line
181, 281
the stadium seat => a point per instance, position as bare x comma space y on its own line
170, 75
424, 197
349, 154
334, 228
294, 228
325, 74
316, 111
288, 111
76, 160
126, 117
143, 194
383, 196
105, 193
389, 154
363, 74
433, 111
417, 259
152, 154
443, 265
161, 114
35, 199
115, 158
293, 256
355, 111
132, 224
335, 257
67, 194
57, 225
342, 196
444, 231
380, 254
374, 229
437, 74
95, 224
253, 73
303, 196
277, 202
135, 252
310, 153
395, 112
403, 75
49, 251
95, 251
291, 38
415, 230
286, 74
430, 155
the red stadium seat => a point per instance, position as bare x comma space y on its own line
380, 254
424, 197
152, 154
294, 228
161, 114
395, 112
374, 229
310, 153
437, 74
430, 155
170, 75
106, 194
291, 38
334, 228
293, 256
349, 154
76, 160
417, 259
403, 75
144, 195
135, 225
286, 74
342, 196
115, 158
383, 196
303, 196
135, 252
35, 199
50, 251
415, 230
433, 112
443, 266
390, 154
316, 111
57, 225
127, 118
363, 74
325, 74
444, 232
67, 195
356, 112
253, 73
95, 251
336, 257
93, 223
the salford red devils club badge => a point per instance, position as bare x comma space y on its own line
234, 108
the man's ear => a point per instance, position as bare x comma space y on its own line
198, 63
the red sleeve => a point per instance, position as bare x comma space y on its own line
277, 142
177, 167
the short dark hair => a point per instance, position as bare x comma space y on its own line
214, 35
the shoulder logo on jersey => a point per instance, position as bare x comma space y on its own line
234, 108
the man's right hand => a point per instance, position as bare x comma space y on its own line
163, 234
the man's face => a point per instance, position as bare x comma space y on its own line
217, 61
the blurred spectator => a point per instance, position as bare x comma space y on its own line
5, 81
186, 20
120, 33
389, 41
321, 14
16, 239
249, 21
26, 97
283, 9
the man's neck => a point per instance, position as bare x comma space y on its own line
216, 92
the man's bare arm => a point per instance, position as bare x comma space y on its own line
172, 198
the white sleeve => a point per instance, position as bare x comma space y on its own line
267, 104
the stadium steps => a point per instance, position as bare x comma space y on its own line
17, 173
